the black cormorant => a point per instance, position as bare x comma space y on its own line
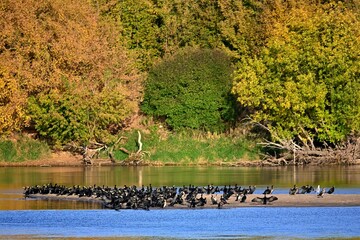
294, 190
331, 190
321, 194
213, 200
269, 190
264, 200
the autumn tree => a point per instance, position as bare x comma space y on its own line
65, 64
12, 113
239, 26
304, 84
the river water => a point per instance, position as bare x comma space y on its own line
72, 219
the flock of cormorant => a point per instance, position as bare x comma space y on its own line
308, 189
132, 197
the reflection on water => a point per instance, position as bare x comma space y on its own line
13, 179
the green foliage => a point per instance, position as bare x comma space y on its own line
73, 116
153, 29
139, 29
65, 68
59, 118
190, 147
191, 90
23, 149
239, 26
305, 82
7, 151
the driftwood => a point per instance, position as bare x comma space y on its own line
91, 152
135, 158
293, 154
303, 150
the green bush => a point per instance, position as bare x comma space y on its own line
191, 90
7, 151
23, 149
67, 116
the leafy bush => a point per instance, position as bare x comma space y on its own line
78, 117
7, 151
22, 149
191, 90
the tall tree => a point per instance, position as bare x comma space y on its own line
305, 82
240, 29
50, 50
153, 29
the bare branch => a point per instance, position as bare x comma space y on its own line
139, 143
124, 150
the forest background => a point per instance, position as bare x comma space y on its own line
173, 81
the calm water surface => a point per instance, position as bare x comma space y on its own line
274, 222
82, 219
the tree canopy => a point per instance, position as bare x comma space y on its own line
153, 29
59, 64
73, 70
304, 84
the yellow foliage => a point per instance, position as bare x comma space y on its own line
11, 103
47, 46
300, 84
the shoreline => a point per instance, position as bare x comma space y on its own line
76, 161
284, 200
67, 159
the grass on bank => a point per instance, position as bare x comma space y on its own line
191, 148
22, 149
162, 147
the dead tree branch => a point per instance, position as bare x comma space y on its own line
135, 158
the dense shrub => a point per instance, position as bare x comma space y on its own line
191, 90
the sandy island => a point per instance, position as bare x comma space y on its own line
284, 200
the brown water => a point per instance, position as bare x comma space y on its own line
13, 179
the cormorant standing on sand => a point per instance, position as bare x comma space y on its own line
321, 194
269, 190
213, 200
243, 198
294, 190
331, 190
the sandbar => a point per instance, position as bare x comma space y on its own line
284, 200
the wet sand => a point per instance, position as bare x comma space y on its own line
284, 200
